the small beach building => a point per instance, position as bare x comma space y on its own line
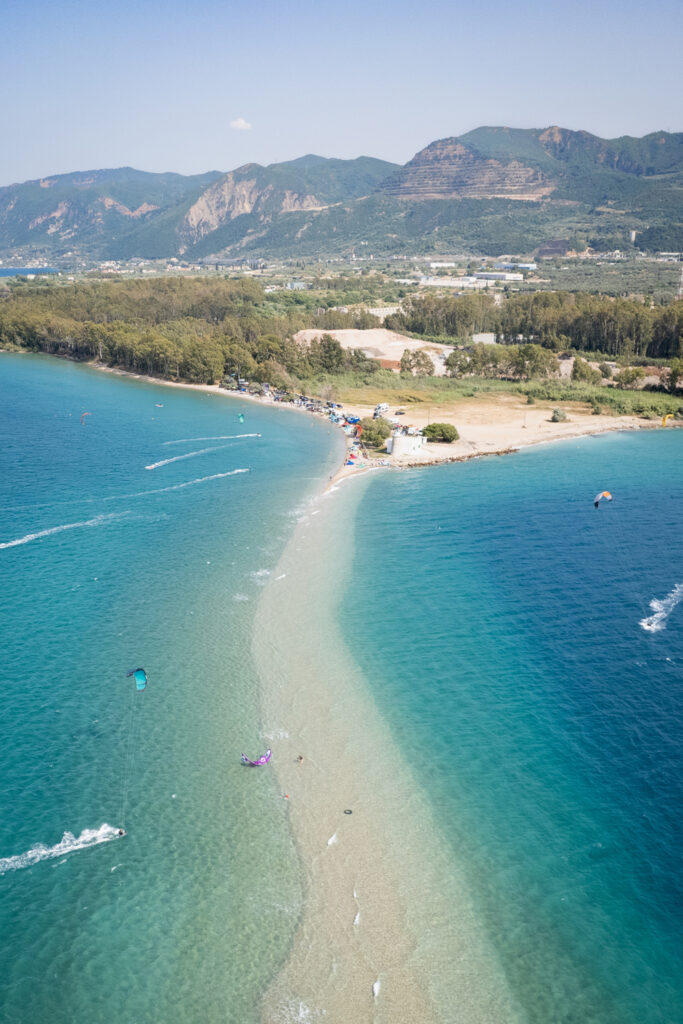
405, 444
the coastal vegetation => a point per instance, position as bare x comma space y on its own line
445, 432
375, 431
208, 330
615, 327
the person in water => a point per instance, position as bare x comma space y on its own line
121, 832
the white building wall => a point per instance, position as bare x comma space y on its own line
404, 444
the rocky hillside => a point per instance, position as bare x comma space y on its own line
509, 163
93, 211
450, 170
491, 190
309, 183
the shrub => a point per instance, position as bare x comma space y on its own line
417, 362
558, 416
605, 370
441, 432
530, 400
583, 371
375, 432
630, 377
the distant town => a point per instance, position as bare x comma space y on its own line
659, 275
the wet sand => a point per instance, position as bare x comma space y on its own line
388, 932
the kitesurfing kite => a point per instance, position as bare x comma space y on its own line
84, 415
668, 416
241, 417
263, 759
600, 496
140, 677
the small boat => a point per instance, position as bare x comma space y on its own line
263, 759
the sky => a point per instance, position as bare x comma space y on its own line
191, 87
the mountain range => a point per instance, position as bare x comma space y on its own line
491, 190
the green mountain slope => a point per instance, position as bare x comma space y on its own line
91, 211
494, 189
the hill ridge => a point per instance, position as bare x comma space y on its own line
494, 188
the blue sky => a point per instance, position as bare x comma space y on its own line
157, 85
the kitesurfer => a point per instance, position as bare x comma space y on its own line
121, 832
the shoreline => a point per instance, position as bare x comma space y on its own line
386, 933
495, 425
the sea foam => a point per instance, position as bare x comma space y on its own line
97, 521
177, 487
218, 437
188, 455
69, 843
662, 610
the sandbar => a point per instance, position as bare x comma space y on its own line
388, 931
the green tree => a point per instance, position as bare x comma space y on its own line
582, 371
375, 432
407, 361
629, 377
533, 361
422, 363
417, 362
458, 362
441, 432
674, 375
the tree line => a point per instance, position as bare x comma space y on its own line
554, 320
200, 330
204, 329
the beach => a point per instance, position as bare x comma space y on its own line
494, 424
388, 932
498, 424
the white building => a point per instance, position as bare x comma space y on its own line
496, 275
405, 444
461, 283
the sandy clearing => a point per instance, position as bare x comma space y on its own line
379, 343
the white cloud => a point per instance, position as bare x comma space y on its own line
240, 125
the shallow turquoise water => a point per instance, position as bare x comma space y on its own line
188, 916
543, 721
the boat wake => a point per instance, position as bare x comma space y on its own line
97, 521
219, 437
176, 487
662, 610
188, 455
69, 844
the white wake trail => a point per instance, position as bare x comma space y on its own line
97, 521
662, 610
69, 844
176, 487
188, 455
220, 437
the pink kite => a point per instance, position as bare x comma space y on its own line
263, 759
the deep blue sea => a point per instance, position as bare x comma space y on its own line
537, 693
107, 566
